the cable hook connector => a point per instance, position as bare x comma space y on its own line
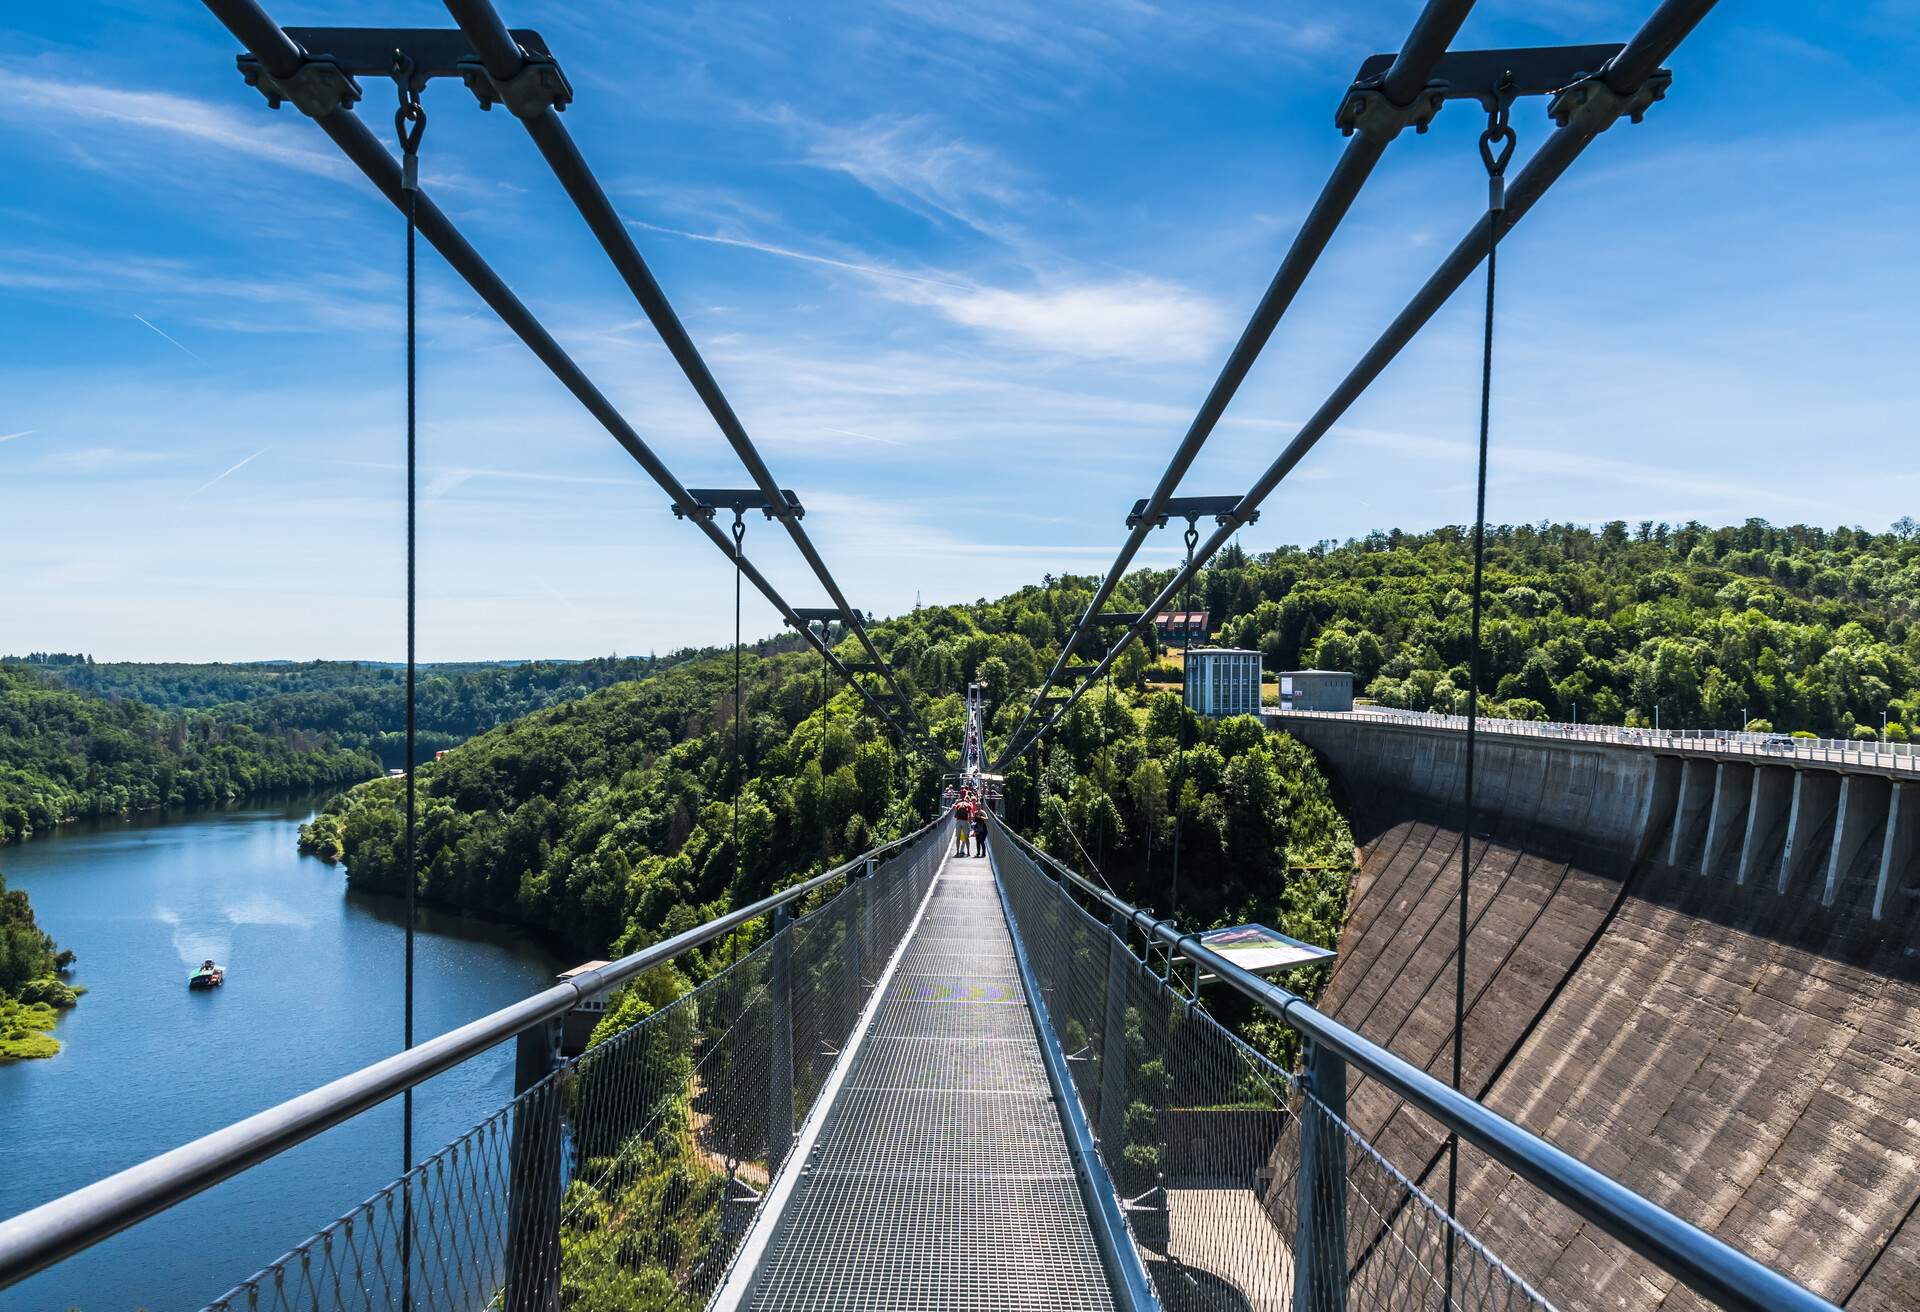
1192, 537
409, 121
739, 531
1496, 145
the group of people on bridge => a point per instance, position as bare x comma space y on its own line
969, 820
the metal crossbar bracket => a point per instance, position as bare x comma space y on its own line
865, 667
1188, 508
336, 56
1488, 76
818, 614
704, 501
1128, 618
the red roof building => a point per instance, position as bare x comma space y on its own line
1182, 625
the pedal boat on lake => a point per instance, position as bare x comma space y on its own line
209, 976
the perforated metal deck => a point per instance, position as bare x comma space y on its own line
941, 1178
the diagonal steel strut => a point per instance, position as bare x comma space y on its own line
504, 61
282, 59
1618, 84
1401, 86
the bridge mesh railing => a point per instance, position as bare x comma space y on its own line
625, 1179
1204, 1139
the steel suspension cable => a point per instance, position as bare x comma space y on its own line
1496, 148
1179, 758
410, 122
739, 706
1432, 32
282, 58
1621, 79
504, 60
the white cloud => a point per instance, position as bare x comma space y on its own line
1135, 319
160, 113
1132, 318
909, 163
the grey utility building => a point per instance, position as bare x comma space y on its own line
1223, 681
1316, 690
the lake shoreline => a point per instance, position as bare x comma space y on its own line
313, 991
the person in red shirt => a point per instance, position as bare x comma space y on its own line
962, 823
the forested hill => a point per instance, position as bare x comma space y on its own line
1805, 628
357, 704
64, 755
608, 822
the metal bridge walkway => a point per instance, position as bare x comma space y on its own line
940, 1177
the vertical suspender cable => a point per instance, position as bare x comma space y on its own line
826, 850
739, 755
409, 120
1499, 133
1173, 783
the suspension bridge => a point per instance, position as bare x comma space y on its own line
985, 1081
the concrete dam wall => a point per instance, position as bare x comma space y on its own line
1701, 976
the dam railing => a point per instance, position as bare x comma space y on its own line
1783, 749
1256, 1190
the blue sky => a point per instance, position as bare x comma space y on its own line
966, 270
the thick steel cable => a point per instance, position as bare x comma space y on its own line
1500, 133
281, 58
410, 122
504, 60
1180, 751
1432, 32
1657, 38
739, 705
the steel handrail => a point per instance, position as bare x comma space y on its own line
1709, 1266
44, 1235
1879, 754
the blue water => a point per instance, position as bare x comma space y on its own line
312, 992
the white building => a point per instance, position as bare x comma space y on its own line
1223, 681
1316, 690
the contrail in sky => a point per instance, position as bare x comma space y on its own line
873, 270
25, 432
169, 337
230, 469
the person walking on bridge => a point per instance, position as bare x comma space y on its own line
979, 831
962, 822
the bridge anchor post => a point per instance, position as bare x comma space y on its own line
1320, 1207
534, 1184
